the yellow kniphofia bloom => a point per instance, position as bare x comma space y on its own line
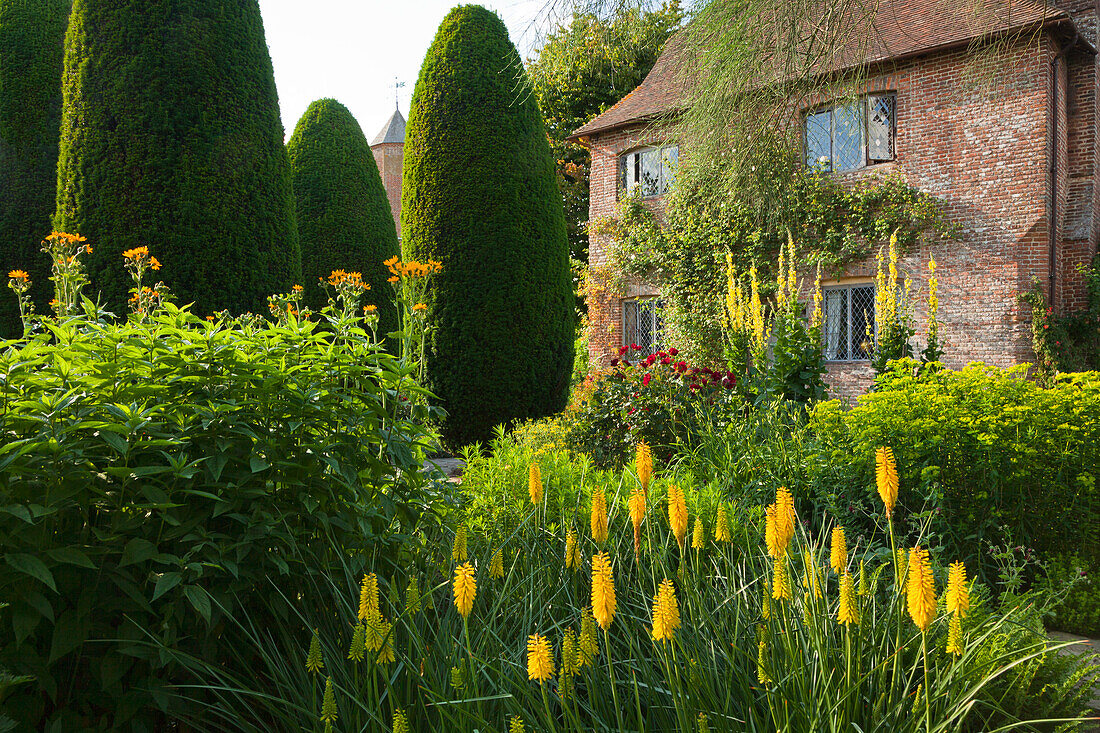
838, 556
722, 525
644, 463
666, 612
534, 483
540, 660
458, 551
698, 536
848, 613
677, 513
811, 580
603, 590
572, 551
886, 477
315, 663
368, 596
599, 516
400, 721
465, 588
781, 585
784, 518
587, 645
570, 653
958, 592
637, 507
955, 643
496, 565
921, 591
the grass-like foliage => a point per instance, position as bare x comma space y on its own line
164, 477
674, 621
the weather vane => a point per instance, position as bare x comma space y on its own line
396, 85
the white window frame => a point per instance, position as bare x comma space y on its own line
878, 135
629, 169
656, 325
853, 339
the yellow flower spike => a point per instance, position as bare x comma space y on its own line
863, 584
848, 613
315, 663
784, 518
534, 483
838, 556
722, 525
328, 705
570, 653
599, 516
458, 678
677, 514
781, 585
540, 660
385, 652
902, 567
358, 647
588, 646
465, 589
955, 636
761, 672
666, 612
603, 590
958, 593
698, 536
572, 551
811, 581
496, 565
702, 724
644, 464
637, 514
766, 602
770, 537
886, 477
368, 596
515, 724
400, 721
458, 552
921, 591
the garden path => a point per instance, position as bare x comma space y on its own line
451, 467
1083, 645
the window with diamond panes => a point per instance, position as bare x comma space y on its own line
643, 324
844, 137
849, 327
650, 171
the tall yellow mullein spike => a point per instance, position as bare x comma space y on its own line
838, 555
534, 483
886, 477
818, 316
792, 271
848, 613
781, 280
603, 590
921, 592
599, 515
644, 463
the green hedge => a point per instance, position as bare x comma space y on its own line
171, 138
344, 217
32, 36
163, 483
479, 195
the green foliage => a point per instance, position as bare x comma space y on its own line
584, 68
31, 49
167, 481
984, 455
171, 138
344, 217
839, 221
1072, 580
479, 196
1066, 342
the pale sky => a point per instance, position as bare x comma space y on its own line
352, 50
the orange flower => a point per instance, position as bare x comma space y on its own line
393, 279
18, 275
154, 263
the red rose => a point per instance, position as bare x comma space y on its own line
673, 352
666, 361
636, 347
645, 380
623, 350
614, 362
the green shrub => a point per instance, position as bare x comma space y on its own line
479, 195
1072, 580
984, 455
31, 50
167, 481
344, 217
171, 138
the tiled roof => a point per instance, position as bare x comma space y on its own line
393, 132
901, 28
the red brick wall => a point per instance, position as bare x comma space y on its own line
986, 155
389, 158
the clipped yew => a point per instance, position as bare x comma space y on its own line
171, 139
479, 195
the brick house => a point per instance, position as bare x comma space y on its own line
1017, 171
388, 148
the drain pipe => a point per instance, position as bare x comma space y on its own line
1053, 251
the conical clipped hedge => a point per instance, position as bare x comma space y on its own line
171, 138
32, 41
344, 217
479, 195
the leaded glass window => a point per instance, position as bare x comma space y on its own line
850, 135
644, 325
650, 171
849, 327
